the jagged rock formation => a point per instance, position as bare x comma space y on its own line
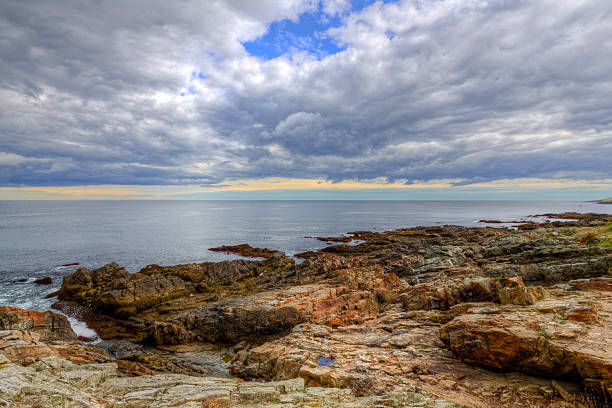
482, 317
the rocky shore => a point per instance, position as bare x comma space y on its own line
421, 317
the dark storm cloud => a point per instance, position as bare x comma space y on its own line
164, 93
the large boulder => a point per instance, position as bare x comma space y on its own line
80, 285
350, 296
272, 312
112, 290
127, 296
568, 338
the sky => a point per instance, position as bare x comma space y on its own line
306, 99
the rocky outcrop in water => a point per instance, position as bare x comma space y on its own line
426, 316
44, 281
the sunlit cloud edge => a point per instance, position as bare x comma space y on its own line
455, 188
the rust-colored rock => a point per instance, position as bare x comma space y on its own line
24, 347
521, 295
543, 339
49, 325
134, 369
603, 284
513, 308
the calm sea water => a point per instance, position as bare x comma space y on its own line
36, 237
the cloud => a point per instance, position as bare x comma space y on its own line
300, 188
472, 90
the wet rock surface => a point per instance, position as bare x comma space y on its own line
247, 250
421, 317
44, 281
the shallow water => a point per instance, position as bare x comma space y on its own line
36, 237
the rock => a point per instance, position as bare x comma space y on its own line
25, 347
155, 363
390, 352
358, 324
252, 392
247, 250
107, 327
273, 312
333, 239
368, 278
205, 274
167, 333
78, 285
134, 369
530, 339
563, 392
120, 348
444, 295
111, 289
48, 325
51, 295
127, 296
111, 296
521, 295
30, 387
44, 281
232, 320
240, 346
602, 284
54, 381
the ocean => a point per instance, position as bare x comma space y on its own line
38, 237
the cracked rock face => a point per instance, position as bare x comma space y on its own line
54, 381
48, 325
567, 336
420, 317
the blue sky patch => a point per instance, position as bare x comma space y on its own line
308, 34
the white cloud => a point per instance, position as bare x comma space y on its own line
425, 90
